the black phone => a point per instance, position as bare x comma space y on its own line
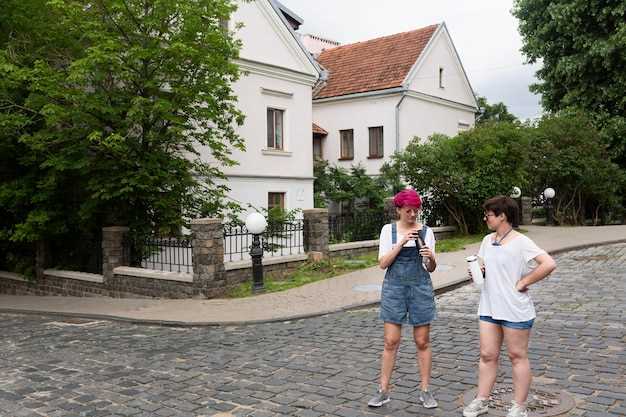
418, 240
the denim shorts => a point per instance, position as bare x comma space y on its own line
519, 325
407, 303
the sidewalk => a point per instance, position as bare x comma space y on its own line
355, 289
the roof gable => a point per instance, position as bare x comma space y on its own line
440, 53
376, 64
269, 39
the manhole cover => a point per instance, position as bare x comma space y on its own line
367, 287
542, 401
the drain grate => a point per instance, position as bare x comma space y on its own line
542, 401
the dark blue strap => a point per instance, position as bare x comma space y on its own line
394, 233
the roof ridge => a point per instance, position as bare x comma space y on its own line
381, 37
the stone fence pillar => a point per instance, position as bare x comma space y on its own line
113, 254
208, 256
526, 215
316, 233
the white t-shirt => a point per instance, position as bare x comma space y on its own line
504, 266
385, 245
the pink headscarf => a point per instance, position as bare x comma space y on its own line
407, 197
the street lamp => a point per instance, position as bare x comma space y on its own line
256, 223
516, 193
549, 194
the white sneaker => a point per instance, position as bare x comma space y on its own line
517, 410
476, 408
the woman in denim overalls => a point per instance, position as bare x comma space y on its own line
407, 293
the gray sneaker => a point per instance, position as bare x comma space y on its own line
517, 410
475, 408
427, 399
381, 397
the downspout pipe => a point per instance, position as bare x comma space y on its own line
404, 91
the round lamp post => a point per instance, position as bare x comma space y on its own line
256, 224
516, 193
549, 194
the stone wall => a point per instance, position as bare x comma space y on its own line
211, 277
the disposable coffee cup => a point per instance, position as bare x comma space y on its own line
477, 274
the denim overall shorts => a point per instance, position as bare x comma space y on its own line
407, 294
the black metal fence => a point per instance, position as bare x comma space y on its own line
170, 254
357, 226
279, 239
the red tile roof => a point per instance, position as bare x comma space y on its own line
371, 65
319, 130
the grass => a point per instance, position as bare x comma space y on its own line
310, 272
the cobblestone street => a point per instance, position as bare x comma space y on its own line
320, 366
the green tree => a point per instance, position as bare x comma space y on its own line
581, 46
348, 187
570, 156
457, 174
497, 112
114, 112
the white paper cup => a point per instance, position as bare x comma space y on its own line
477, 274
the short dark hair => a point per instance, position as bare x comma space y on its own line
503, 204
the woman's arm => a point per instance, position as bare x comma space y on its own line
545, 266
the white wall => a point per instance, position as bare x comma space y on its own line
422, 118
278, 74
296, 160
265, 38
298, 192
441, 54
358, 114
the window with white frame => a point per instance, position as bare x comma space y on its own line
275, 130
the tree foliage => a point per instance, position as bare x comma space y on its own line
581, 46
113, 112
570, 156
497, 112
458, 173
351, 188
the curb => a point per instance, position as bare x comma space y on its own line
357, 306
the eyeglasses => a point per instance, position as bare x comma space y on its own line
486, 215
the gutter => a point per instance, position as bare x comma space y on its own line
404, 92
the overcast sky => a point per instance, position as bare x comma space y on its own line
484, 33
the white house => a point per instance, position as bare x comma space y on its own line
275, 95
383, 92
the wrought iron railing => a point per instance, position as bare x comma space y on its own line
279, 239
355, 227
170, 254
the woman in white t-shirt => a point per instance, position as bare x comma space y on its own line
506, 310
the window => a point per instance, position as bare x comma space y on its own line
376, 142
275, 129
346, 138
275, 200
440, 77
317, 149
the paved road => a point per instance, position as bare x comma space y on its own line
319, 366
